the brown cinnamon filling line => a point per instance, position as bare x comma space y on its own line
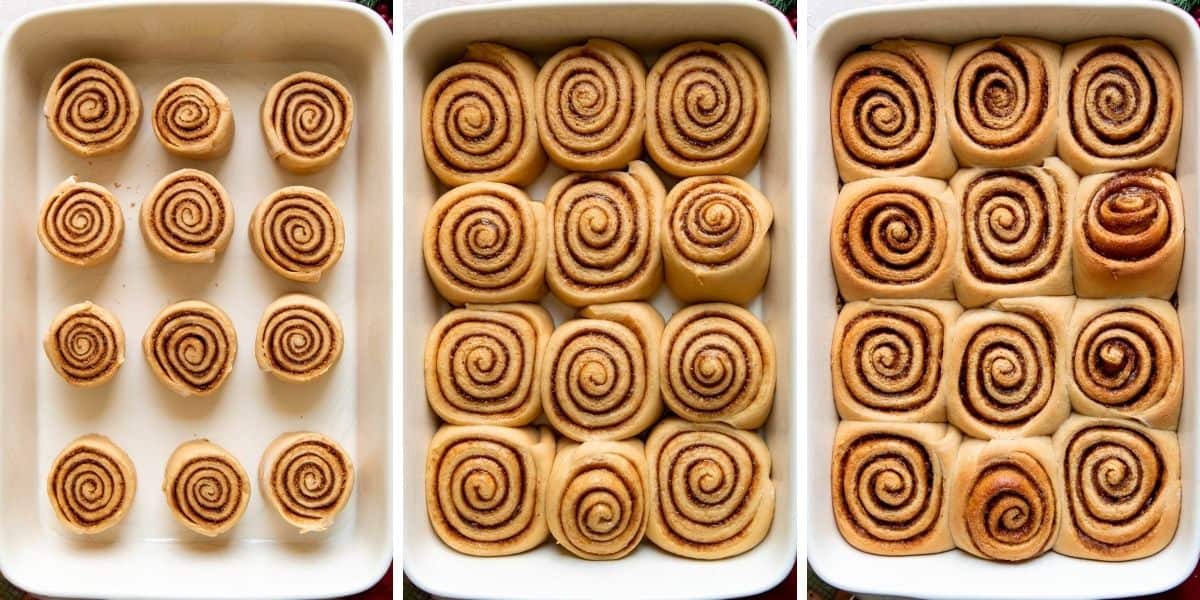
977, 249
637, 495
689, 222
741, 394
606, 113
183, 96
515, 362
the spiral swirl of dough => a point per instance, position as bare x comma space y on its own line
92, 107
85, 344
1004, 97
1007, 372
307, 478
1127, 359
91, 484
1010, 510
298, 232
306, 118
193, 118
188, 217
596, 502
81, 223
1014, 228
191, 346
206, 487
299, 338
889, 358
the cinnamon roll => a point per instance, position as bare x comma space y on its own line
718, 364
1127, 360
1009, 361
485, 487
1004, 101
297, 232
601, 372
486, 242
299, 338
478, 122
93, 108
1121, 106
895, 237
1004, 499
708, 110
711, 492
1121, 488
1016, 232
715, 240
1128, 238
887, 114
81, 223
207, 489
604, 240
591, 106
91, 485
596, 500
307, 478
483, 364
890, 486
306, 119
193, 119
888, 360
190, 346
187, 217
85, 344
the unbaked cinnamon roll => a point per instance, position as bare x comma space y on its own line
187, 217
711, 492
306, 119
601, 372
890, 486
307, 478
298, 232
485, 487
91, 485
207, 489
604, 236
596, 500
190, 347
708, 110
81, 223
85, 344
93, 108
1121, 105
299, 338
193, 119
477, 119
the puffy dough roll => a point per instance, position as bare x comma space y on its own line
889, 486
206, 487
1127, 360
711, 492
1121, 105
1003, 95
193, 119
1121, 488
718, 364
306, 119
709, 107
298, 233
591, 106
1004, 498
478, 121
597, 498
895, 237
299, 338
1016, 232
187, 217
483, 364
1010, 361
887, 112
1128, 238
485, 487
85, 344
307, 478
91, 484
888, 360
604, 236
600, 372
486, 242
93, 108
81, 223
190, 347
715, 240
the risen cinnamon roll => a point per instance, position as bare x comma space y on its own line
307, 478
93, 108
299, 338
306, 119
91, 484
193, 119
1121, 105
298, 233
187, 217
596, 500
890, 486
81, 223
190, 347
206, 487
85, 344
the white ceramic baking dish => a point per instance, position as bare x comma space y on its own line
431, 44
955, 574
243, 47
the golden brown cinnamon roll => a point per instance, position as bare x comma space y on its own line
887, 112
85, 344
299, 338
91, 484
1121, 489
604, 240
485, 487
92, 107
81, 223
596, 500
307, 478
708, 110
1128, 238
1121, 105
477, 119
207, 489
711, 492
889, 485
190, 346
895, 237
888, 360
306, 120
1127, 360
591, 106
187, 217
298, 232
193, 119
